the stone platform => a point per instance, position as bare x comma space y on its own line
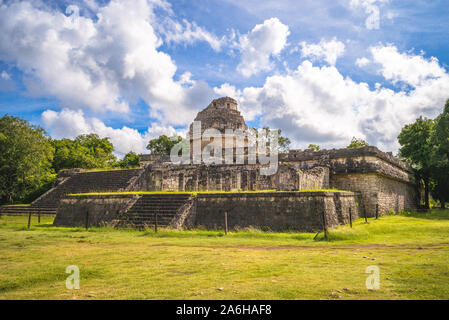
277, 211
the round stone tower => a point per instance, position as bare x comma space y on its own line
220, 114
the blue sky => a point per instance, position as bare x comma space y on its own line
322, 71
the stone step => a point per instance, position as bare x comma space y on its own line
165, 206
148, 226
152, 212
147, 221
100, 181
151, 216
162, 203
155, 207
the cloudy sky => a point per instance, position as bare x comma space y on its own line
323, 71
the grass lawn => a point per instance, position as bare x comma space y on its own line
411, 251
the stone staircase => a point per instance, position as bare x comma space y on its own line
96, 181
143, 213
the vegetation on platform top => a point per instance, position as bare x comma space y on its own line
109, 169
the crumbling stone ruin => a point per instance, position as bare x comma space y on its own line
375, 181
385, 182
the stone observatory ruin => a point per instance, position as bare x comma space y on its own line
309, 187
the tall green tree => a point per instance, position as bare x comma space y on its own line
100, 148
441, 135
26, 155
417, 147
440, 186
440, 157
86, 151
163, 144
283, 142
131, 159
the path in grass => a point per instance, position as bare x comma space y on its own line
411, 251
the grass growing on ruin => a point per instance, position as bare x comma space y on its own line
16, 205
411, 251
103, 169
110, 169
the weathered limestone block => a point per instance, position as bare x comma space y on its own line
378, 190
300, 211
287, 178
96, 210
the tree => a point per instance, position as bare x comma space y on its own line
441, 135
131, 159
86, 151
416, 147
283, 142
440, 157
69, 154
100, 148
314, 147
25, 159
357, 143
163, 144
440, 186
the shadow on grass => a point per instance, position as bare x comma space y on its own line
44, 225
434, 214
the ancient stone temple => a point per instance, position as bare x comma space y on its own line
221, 114
296, 196
384, 181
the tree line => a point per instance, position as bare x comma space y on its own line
30, 159
425, 146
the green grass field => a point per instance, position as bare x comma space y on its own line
411, 251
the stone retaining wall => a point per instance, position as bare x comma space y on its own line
277, 211
389, 194
99, 210
169, 177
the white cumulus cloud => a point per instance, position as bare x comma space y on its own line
319, 105
361, 62
248, 104
329, 51
189, 33
6, 83
402, 67
262, 42
102, 64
